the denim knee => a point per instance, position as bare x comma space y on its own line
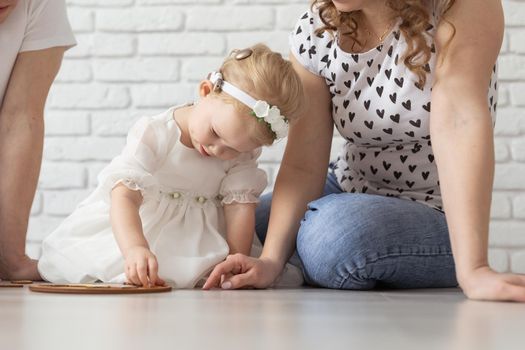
355, 241
262, 216
322, 244
262, 213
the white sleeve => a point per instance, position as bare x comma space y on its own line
305, 45
244, 181
47, 26
146, 149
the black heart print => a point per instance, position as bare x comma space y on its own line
416, 123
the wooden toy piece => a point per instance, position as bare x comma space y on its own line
96, 288
9, 284
22, 282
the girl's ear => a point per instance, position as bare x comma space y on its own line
205, 87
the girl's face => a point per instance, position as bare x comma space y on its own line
217, 129
6, 7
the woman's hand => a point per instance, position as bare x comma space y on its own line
486, 284
142, 267
241, 271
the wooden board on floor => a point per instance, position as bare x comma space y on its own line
9, 284
96, 288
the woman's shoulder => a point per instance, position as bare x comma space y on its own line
307, 43
310, 18
308, 24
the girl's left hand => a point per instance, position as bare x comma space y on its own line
486, 284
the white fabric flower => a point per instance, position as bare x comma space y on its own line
278, 124
271, 116
261, 109
274, 114
282, 133
280, 128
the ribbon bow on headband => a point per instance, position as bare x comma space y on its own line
271, 115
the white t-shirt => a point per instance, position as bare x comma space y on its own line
32, 25
380, 112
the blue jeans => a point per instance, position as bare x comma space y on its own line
363, 241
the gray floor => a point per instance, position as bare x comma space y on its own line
266, 319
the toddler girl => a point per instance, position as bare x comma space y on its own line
182, 194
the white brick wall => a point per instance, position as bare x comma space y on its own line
138, 57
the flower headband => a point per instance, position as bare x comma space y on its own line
271, 115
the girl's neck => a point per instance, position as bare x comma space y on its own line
181, 116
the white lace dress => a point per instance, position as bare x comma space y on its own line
182, 213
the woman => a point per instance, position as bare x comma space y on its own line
374, 68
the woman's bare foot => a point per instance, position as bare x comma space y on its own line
21, 269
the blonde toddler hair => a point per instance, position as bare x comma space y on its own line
264, 75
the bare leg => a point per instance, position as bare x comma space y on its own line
21, 140
21, 143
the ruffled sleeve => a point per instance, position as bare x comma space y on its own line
244, 181
147, 147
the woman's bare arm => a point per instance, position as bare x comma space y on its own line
462, 138
304, 167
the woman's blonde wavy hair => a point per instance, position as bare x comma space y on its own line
415, 21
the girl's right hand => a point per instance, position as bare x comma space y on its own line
241, 271
142, 268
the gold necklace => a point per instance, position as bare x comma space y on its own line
382, 36
368, 35
361, 46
